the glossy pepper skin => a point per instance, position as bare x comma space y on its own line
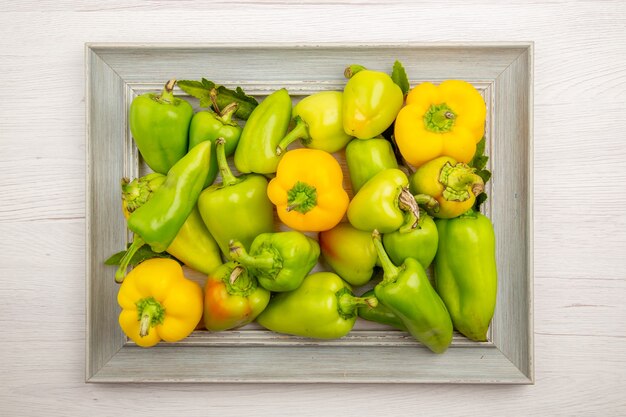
232, 298
265, 128
349, 252
193, 245
371, 101
160, 126
443, 120
323, 307
319, 124
158, 221
454, 186
308, 190
279, 261
384, 203
208, 125
379, 314
419, 243
158, 303
466, 274
366, 158
236, 209
406, 291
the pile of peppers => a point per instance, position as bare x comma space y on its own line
303, 218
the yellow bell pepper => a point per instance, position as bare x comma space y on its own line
308, 190
444, 120
159, 303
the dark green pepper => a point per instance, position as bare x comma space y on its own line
160, 126
238, 208
207, 125
379, 314
419, 243
280, 261
366, 158
265, 128
158, 221
323, 307
406, 291
466, 273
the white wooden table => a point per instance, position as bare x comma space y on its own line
580, 178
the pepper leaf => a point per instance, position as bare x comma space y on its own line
479, 162
398, 75
225, 96
143, 254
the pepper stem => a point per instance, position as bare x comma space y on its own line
458, 180
150, 313
439, 118
407, 203
228, 178
300, 131
239, 254
228, 112
351, 70
302, 197
391, 271
213, 97
167, 95
428, 202
120, 274
347, 303
137, 192
240, 282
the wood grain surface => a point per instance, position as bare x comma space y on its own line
579, 215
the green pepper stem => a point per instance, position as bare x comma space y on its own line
300, 131
302, 197
228, 112
240, 282
150, 313
167, 95
407, 203
239, 254
391, 271
458, 180
351, 70
439, 118
213, 97
227, 175
347, 303
137, 192
427, 201
120, 274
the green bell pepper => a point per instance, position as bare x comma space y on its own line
193, 245
207, 125
371, 102
160, 125
379, 314
280, 261
419, 243
265, 128
366, 158
466, 273
238, 208
384, 203
323, 307
232, 298
349, 252
158, 221
318, 123
406, 291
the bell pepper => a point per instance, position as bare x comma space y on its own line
406, 291
318, 123
385, 203
379, 314
323, 307
265, 128
349, 252
232, 298
366, 158
454, 186
419, 243
308, 190
207, 125
444, 120
160, 125
193, 245
279, 261
371, 101
158, 221
466, 273
236, 209
158, 303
